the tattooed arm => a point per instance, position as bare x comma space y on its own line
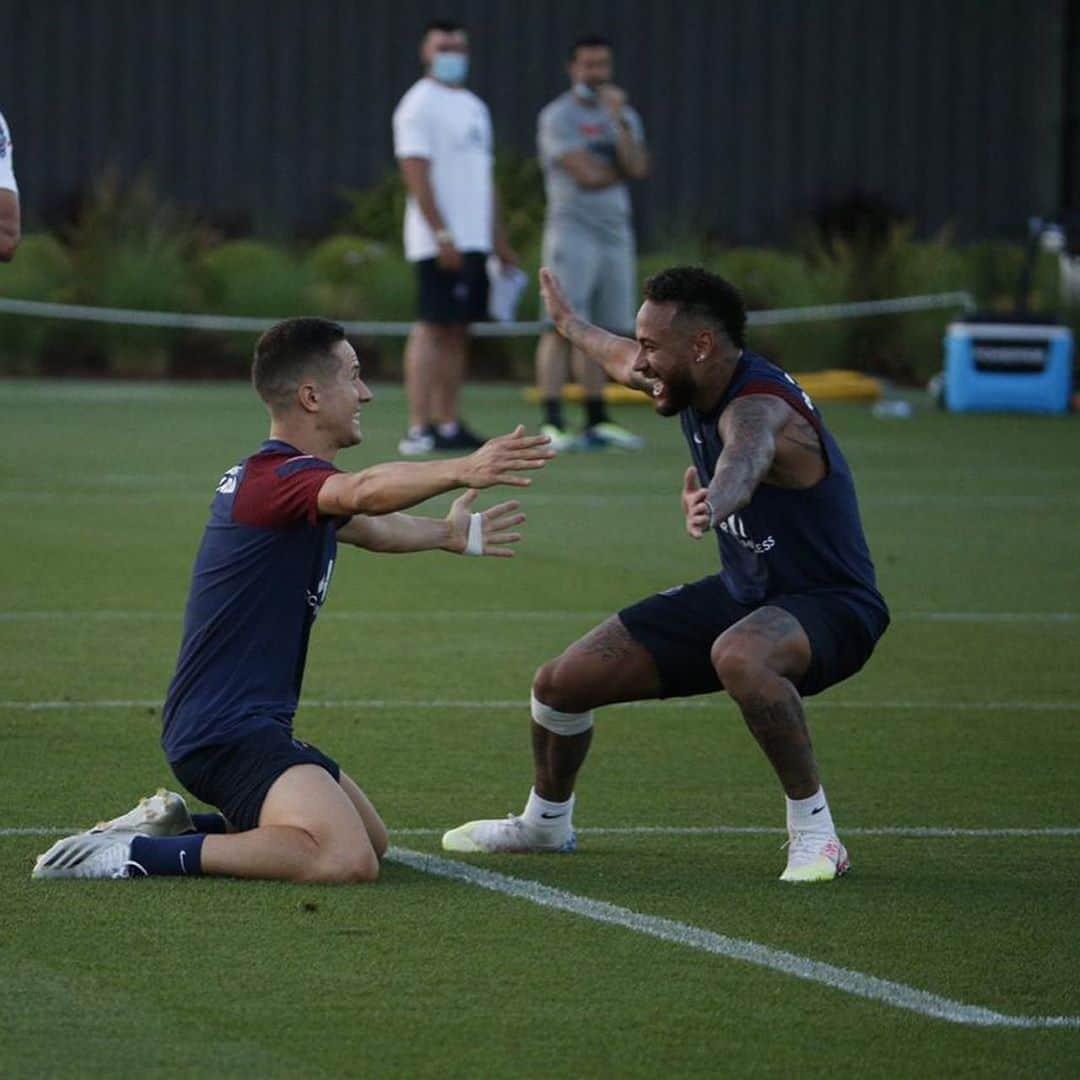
616, 355
749, 427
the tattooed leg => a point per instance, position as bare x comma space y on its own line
605, 666
756, 659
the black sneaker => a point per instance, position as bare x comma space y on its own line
462, 439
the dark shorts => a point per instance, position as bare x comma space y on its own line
234, 777
678, 627
453, 297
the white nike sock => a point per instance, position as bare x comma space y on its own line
812, 814
542, 814
449, 429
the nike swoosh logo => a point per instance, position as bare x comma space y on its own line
183, 864
546, 815
818, 810
697, 439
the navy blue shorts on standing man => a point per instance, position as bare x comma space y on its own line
677, 628
453, 297
234, 777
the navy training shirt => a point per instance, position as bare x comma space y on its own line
260, 576
787, 540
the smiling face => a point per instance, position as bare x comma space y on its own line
668, 356
341, 395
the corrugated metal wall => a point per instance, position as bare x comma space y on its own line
757, 110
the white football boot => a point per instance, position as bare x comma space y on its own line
162, 814
508, 835
89, 855
814, 856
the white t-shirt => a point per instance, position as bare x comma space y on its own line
452, 129
7, 169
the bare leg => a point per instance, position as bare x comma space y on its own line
448, 372
420, 359
376, 830
756, 659
605, 666
552, 356
590, 375
309, 830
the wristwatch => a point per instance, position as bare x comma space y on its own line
444, 236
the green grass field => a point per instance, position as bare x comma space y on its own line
967, 718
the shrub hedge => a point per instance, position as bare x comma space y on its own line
130, 251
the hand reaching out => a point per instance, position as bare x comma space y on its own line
500, 459
498, 524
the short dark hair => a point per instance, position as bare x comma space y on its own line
588, 41
289, 351
702, 295
447, 26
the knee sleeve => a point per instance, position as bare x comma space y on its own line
559, 723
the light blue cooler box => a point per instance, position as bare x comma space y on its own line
1008, 367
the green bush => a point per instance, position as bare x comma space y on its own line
355, 278
777, 279
375, 212
249, 277
41, 271
132, 249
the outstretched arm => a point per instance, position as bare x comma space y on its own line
397, 485
401, 533
748, 427
616, 355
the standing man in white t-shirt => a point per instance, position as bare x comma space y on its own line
443, 142
9, 198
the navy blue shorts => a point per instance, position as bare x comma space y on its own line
234, 777
453, 297
678, 627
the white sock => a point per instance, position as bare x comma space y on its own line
449, 429
812, 814
542, 814
417, 432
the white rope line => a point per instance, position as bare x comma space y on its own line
179, 320
895, 994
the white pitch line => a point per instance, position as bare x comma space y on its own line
914, 832
553, 615
705, 702
895, 994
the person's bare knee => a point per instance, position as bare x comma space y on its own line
554, 684
343, 867
376, 829
307, 799
739, 666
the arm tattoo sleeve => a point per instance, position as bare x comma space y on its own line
748, 427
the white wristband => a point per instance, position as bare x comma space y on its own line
474, 544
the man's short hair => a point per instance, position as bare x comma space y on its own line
588, 41
702, 295
447, 26
291, 351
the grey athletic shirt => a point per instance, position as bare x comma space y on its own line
566, 124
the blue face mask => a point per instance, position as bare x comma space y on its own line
450, 67
585, 93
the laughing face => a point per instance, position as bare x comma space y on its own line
667, 357
344, 395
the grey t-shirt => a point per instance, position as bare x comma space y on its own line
567, 124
